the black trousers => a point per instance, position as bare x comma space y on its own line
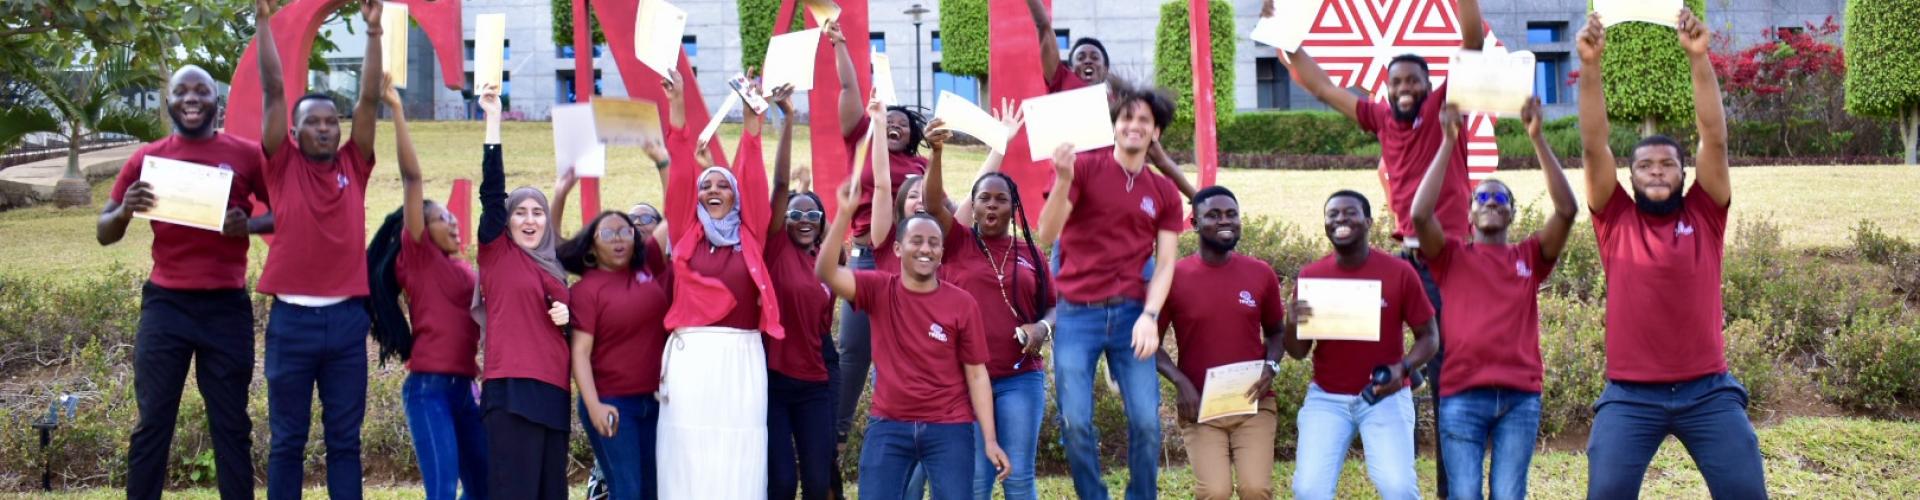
525, 460
213, 331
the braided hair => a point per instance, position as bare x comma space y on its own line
1041, 294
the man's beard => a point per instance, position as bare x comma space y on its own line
205, 127
1665, 207
1222, 246
1408, 115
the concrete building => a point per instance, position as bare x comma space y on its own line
541, 74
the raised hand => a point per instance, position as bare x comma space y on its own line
1266, 9
388, 94
833, 33
1450, 121
670, 87
878, 111
370, 12
564, 182
937, 134
656, 151
138, 198
1532, 117
1592, 41
263, 9
849, 194
1010, 115
1695, 38
490, 99
1063, 158
782, 98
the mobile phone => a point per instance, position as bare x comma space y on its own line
1020, 335
743, 87
610, 421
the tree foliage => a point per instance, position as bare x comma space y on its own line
1882, 39
963, 37
1646, 72
756, 28
1173, 60
563, 24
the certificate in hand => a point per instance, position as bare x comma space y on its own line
657, 28
1226, 393
1288, 27
1342, 309
883, 79
574, 136
1494, 81
188, 194
790, 60
489, 49
961, 116
626, 121
822, 10
393, 42
713, 125
1079, 117
1661, 12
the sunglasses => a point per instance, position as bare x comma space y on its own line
646, 219
807, 215
1494, 196
625, 233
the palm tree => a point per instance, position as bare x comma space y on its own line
79, 102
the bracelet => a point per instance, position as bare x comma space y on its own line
1049, 329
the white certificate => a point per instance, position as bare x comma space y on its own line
1288, 27
961, 116
822, 10
188, 194
489, 49
883, 80
1342, 309
626, 121
1079, 117
393, 42
713, 124
790, 60
574, 135
1226, 390
657, 28
1492, 82
1661, 12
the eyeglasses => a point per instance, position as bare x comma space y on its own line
1495, 196
806, 215
625, 233
646, 219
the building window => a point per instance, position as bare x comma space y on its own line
878, 41
506, 50
936, 41
564, 51
563, 79
963, 86
1060, 36
1546, 32
1271, 83
1549, 75
691, 45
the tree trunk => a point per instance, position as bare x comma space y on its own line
1647, 127
73, 190
1910, 134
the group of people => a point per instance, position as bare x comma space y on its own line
694, 340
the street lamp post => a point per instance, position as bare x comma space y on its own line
916, 11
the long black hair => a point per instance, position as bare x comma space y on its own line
916, 127
576, 253
1041, 296
391, 328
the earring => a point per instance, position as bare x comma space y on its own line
591, 261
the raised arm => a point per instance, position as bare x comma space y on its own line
1308, 74
677, 177
1432, 237
413, 206
827, 265
1043, 29
557, 211
1553, 237
881, 216
849, 81
366, 112
782, 162
1053, 215
933, 192
1473, 26
273, 114
1594, 129
493, 172
1710, 118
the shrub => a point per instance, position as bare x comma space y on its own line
963, 32
1572, 347
1292, 132
1173, 54
1880, 40
1754, 358
1876, 246
1876, 363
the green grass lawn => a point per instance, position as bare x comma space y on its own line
1805, 457
1814, 206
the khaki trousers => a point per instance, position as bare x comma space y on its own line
1242, 445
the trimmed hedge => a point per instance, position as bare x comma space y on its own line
963, 37
1646, 72
563, 24
1173, 60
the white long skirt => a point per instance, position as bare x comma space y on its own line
712, 441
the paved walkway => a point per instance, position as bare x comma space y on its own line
30, 183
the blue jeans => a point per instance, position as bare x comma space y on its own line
856, 353
1327, 423
1507, 419
627, 457
1019, 402
799, 432
1084, 333
1709, 416
309, 347
892, 448
447, 436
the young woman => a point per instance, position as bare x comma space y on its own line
422, 257
799, 399
713, 415
522, 295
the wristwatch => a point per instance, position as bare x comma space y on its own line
1273, 365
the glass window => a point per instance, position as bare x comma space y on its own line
963, 86
691, 45
1545, 32
1061, 37
936, 41
878, 41
1270, 82
1547, 78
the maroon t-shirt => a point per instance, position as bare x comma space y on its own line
1663, 289
1111, 232
439, 297
625, 314
522, 341
806, 311
1002, 276
1406, 150
320, 223
729, 267
1343, 366
188, 258
922, 343
1493, 341
1219, 313
900, 165
1062, 79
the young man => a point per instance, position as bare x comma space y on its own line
194, 307
317, 271
1662, 250
1113, 216
1221, 304
1335, 409
1087, 64
930, 355
1493, 383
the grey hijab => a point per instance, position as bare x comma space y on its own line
542, 255
725, 231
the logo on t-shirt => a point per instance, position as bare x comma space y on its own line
225, 166
643, 277
1246, 298
938, 333
1520, 267
1683, 229
1146, 205
343, 180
